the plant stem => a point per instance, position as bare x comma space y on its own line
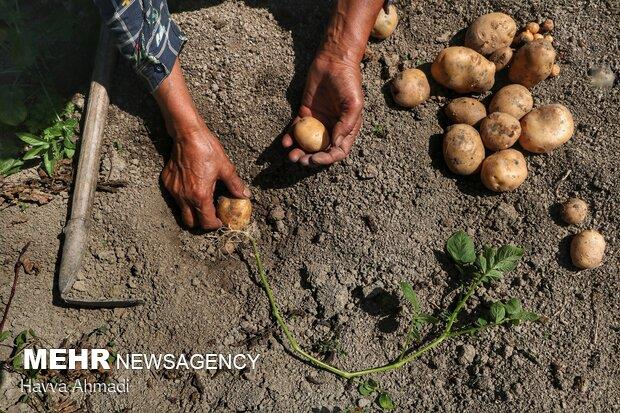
403, 359
16, 268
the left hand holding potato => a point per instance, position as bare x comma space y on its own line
334, 96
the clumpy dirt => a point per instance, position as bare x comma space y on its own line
337, 241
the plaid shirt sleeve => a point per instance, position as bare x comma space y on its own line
145, 35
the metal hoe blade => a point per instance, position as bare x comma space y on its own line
78, 225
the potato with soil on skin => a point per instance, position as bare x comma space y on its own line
587, 249
235, 213
410, 88
463, 70
532, 63
463, 150
574, 211
490, 32
515, 100
546, 128
501, 58
310, 134
504, 170
465, 110
385, 23
499, 131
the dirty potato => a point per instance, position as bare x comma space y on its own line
410, 88
532, 63
574, 211
501, 57
546, 127
490, 32
385, 24
587, 249
465, 110
310, 134
499, 131
504, 170
463, 149
234, 213
463, 70
515, 100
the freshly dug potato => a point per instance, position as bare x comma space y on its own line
523, 38
545, 128
499, 131
385, 23
504, 170
515, 100
410, 88
547, 26
463, 70
587, 249
465, 110
574, 211
532, 27
311, 134
234, 213
501, 57
463, 149
555, 70
532, 63
490, 32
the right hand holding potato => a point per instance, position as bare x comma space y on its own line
198, 160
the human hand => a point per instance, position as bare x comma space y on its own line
333, 95
198, 161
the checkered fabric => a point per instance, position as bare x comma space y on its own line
145, 34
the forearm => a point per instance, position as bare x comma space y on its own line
349, 28
177, 107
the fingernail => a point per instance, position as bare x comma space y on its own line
247, 193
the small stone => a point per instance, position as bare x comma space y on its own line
362, 403
507, 351
80, 286
277, 213
368, 172
466, 353
195, 282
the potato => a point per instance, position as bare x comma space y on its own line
547, 26
501, 58
538, 36
555, 70
587, 249
385, 23
463, 149
463, 70
234, 213
465, 110
410, 88
532, 27
499, 131
532, 63
545, 128
311, 134
490, 32
574, 211
504, 170
548, 38
515, 100
523, 38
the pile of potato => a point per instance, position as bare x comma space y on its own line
481, 140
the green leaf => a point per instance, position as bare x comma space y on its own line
32, 333
385, 402
69, 152
494, 275
481, 262
68, 143
31, 139
528, 316
34, 153
4, 335
460, 247
10, 166
428, 319
20, 339
513, 307
481, 322
508, 257
411, 296
18, 362
498, 312
489, 254
53, 131
47, 164
367, 387
12, 105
